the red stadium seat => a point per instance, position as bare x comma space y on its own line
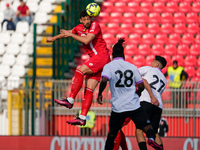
166, 28
170, 49
103, 17
107, 6
163, 0
147, 38
149, 59
133, 7
171, 7
166, 17
176, 1
116, 17
103, 27
120, 7
122, 35
161, 38
196, 7
195, 49
154, 17
144, 49
109, 38
184, 7
197, 38
139, 61
129, 58
174, 38
193, 28
146, 6
183, 49
191, 17
157, 49
189, 1
179, 28
179, 59
126, 28
113, 28
168, 59
198, 74
151, 1
153, 28
198, 62
128, 17
190, 60
134, 38
141, 17
125, 1
158, 6
187, 38
130, 49
179, 17
140, 28
190, 71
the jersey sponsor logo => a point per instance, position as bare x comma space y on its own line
91, 64
79, 32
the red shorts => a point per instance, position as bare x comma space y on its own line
96, 64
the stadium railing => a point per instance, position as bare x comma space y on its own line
50, 119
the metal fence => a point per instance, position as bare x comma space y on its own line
27, 111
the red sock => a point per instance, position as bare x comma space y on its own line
76, 83
87, 101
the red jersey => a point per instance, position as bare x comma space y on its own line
97, 45
22, 10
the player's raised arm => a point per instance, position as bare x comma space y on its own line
52, 39
83, 39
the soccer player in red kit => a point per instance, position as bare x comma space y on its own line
90, 34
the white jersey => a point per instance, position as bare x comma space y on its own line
122, 76
156, 80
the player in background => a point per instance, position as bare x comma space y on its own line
89, 33
122, 77
120, 139
150, 98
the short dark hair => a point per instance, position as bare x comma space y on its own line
162, 60
21, 0
175, 62
83, 14
118, 49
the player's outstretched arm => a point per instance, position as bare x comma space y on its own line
148, 88
102, 86
83, 39
52, 39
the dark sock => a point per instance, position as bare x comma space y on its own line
150, 134
109, 142
161, 145
142, 146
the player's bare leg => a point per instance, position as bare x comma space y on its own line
158, 139
140, 139
75, 86
86, 103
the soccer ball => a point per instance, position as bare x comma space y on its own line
93, 9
